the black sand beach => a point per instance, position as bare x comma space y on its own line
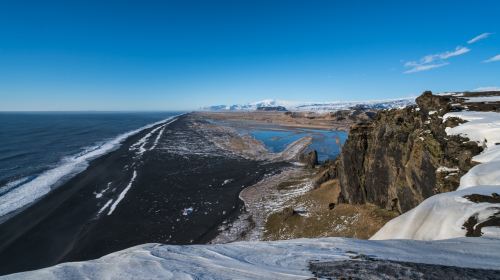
166, 184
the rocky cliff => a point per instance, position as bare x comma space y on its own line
404, 155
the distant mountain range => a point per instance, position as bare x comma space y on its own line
280, 105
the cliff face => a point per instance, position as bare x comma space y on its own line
404, 156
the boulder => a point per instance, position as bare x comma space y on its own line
310, 159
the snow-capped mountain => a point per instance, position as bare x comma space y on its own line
314, 106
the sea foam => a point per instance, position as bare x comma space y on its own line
17, 196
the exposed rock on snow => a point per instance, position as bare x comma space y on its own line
484, 128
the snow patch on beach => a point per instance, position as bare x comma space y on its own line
227, 181
121, 196
187, 211
288, 259
104, 207
443, 215
140, 146
101, 193
159, 136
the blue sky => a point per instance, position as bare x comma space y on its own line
179, 55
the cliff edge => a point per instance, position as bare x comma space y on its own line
404, 155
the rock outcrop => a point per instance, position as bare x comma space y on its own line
310, 159
404, 156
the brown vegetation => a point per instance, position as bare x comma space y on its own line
316, 214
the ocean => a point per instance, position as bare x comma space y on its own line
40, 150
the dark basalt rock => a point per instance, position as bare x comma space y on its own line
327, 171
371, 268
310, 159
479, 198
393, 160
430, 102
474, 227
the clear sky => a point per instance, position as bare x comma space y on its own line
178, 55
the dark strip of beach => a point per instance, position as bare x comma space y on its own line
183, 189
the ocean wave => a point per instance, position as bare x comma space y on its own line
20, 193
13, 184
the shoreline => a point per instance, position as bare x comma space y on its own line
78, 163
174, 182
167, 185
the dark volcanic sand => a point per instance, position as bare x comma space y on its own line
184, 170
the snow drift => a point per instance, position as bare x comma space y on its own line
266, 260
445, 215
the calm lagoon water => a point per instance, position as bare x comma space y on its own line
327, 143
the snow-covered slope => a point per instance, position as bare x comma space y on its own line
445, 215
315, 106
267, 260
484, 128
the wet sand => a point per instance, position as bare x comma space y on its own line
167, 184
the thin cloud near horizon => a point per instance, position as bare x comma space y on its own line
487, 89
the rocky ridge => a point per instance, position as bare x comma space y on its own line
404, 156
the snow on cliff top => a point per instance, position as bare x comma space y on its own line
444, 215
484, 128
288, 259
315, 106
